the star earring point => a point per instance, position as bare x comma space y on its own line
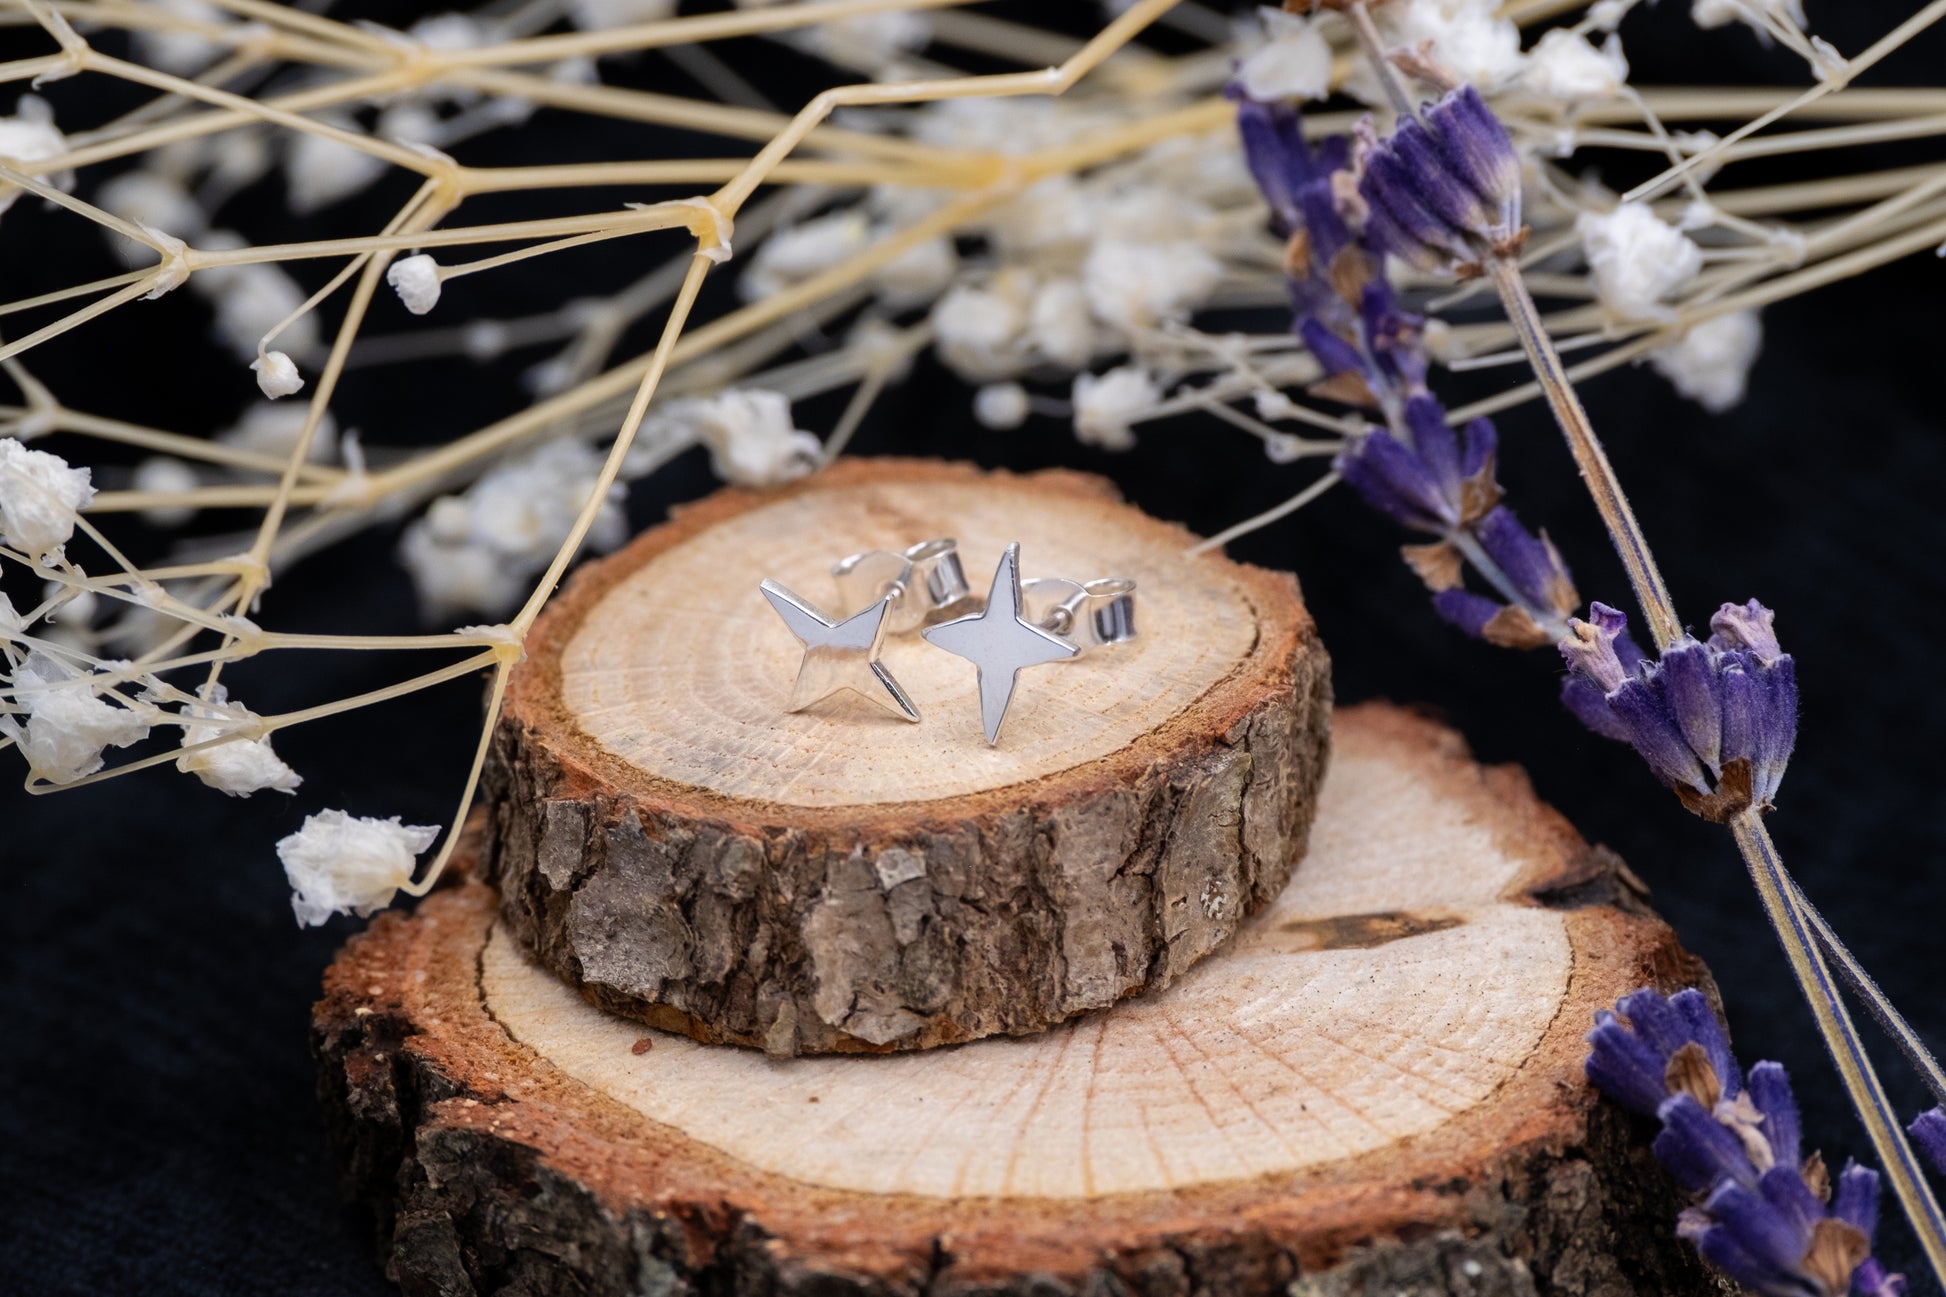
839, 655
1000, 642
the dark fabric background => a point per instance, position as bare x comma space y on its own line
158, 1131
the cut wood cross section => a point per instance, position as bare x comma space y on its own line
674, 843
1375, 1088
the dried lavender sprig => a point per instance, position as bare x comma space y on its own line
1841, 1036
1452, 184
1763, 1213
1416, 469
1444, 192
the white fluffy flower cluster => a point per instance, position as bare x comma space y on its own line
1106, 404
338, 864
799, 251
241, 766
28, 136
1639, 261
1467, 37
1566, 67
874, 44
751, 436
40, 497
68, 723
1087, 266
1294, 62
1710, 363
600, 15
480, 550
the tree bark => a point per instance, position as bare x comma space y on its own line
672, 842
1376, 1089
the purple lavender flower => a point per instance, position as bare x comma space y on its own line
1323, 259
1431, 479
1715, 720
1444, 190
1928, 1131
1768, 1220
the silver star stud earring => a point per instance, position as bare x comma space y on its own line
839, 654
999, 641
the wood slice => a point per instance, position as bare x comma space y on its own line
1376, 1089
671, 841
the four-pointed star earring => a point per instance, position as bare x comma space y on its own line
839, 654
999, 641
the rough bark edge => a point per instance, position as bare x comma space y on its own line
698, 913
492, 1173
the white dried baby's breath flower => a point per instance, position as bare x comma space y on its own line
274, 430
28, 136
1468, 37
918, 275
797, 252
1106, 404
184, 53
1638, 260
1567, 67
416, 280
67, 726
1720, 13
978, 328
320, 171
277, 375
250, 300
752, 439
150, 199
870, 43
165, 475
480, 550
1136, 286
1060, 323
1001, 406
40, 495
338, 864
1710, 364
1293, 63
241, 766
600, 15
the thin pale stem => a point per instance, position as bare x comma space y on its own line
1373, 46
1862, 985
1841, 1037
1589, 456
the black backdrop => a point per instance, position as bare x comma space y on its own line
158, 1132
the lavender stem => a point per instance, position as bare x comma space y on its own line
1780, 901
1875, 1000
1613, 505
1372, 45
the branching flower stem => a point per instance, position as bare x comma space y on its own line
1784, 906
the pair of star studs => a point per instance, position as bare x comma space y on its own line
1001, 640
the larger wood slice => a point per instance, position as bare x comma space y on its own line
671, 841
1376, 1089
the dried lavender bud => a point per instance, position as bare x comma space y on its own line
1715, 720
1735, 1148
1434, 480
1444, 189
1928, 1131
1531, 562
1296, 181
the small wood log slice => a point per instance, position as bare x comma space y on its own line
672, 842
1376, 1089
